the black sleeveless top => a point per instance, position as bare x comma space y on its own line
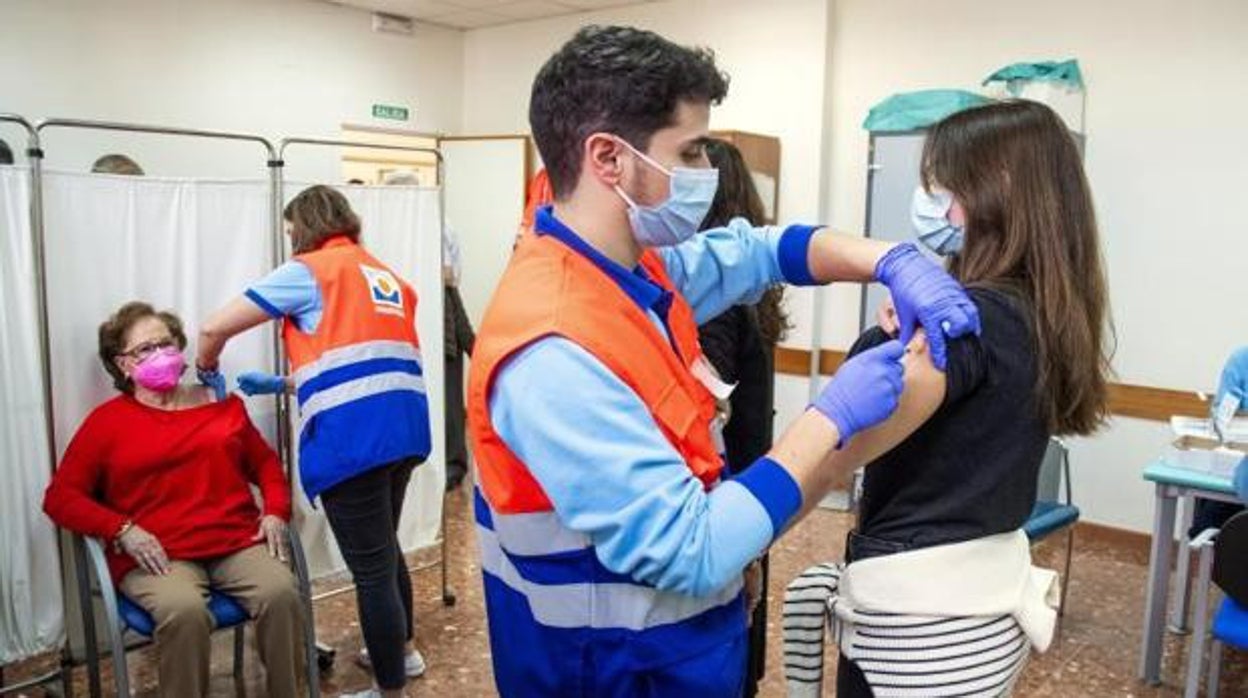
970, 471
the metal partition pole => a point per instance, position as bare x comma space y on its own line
34, 153
278, 252
158, 130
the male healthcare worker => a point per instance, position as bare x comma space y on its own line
612, 550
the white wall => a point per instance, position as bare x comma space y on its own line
272, 67
773, 51
757, 44
1166, 151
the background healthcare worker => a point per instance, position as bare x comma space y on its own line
349, 327
1232, 390
1233, 386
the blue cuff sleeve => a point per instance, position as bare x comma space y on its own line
775, 489
262, 303
289, 291
794, 252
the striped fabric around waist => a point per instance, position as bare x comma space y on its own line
566, 586
358, 371
901, 656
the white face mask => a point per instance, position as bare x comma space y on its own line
678, 218
929, 213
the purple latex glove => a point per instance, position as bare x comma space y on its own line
864, 391
924, 294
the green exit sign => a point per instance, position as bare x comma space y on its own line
390, 111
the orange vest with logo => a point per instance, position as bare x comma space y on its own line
550, 289
362, 301
358, 375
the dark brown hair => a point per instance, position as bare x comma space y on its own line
118, 164
113, 333
1031, 229
317, 214
737, 197
620, 80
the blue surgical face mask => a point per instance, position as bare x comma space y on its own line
679, 217
929, 212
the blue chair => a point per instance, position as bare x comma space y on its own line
122, 614
1222, 556
1049, 514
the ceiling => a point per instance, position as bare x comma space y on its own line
472, 14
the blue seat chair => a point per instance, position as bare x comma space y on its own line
1223, 556
124, 615
1050, 514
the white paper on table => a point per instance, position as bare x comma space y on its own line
1202, 428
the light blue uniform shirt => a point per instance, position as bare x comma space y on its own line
599, 455
290, 291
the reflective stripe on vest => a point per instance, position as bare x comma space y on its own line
359, 375
560, 577
358, 371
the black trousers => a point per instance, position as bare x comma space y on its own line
456, 439
363, 513
458, 339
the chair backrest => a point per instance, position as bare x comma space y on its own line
1049, 482
1230, 558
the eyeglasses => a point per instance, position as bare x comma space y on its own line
146, 349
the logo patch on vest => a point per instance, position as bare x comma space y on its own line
384, 289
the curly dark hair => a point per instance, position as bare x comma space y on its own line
113, 333
620, 80
737, 197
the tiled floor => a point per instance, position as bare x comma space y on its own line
1094, 654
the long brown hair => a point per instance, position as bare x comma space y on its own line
737, 197
317, 214
1031, 228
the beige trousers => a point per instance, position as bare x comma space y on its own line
178, 603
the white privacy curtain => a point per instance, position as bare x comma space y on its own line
187, 245
401, 226
31, 614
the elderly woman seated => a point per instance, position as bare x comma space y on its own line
162, 474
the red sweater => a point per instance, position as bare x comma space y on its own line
181, 475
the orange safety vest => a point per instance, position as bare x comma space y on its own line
358, 375
549, 289
540, 193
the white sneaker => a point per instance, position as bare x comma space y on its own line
413, 664
373, 692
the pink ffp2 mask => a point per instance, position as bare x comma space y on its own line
161, 370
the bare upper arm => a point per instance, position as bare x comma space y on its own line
922, 395
239, 315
